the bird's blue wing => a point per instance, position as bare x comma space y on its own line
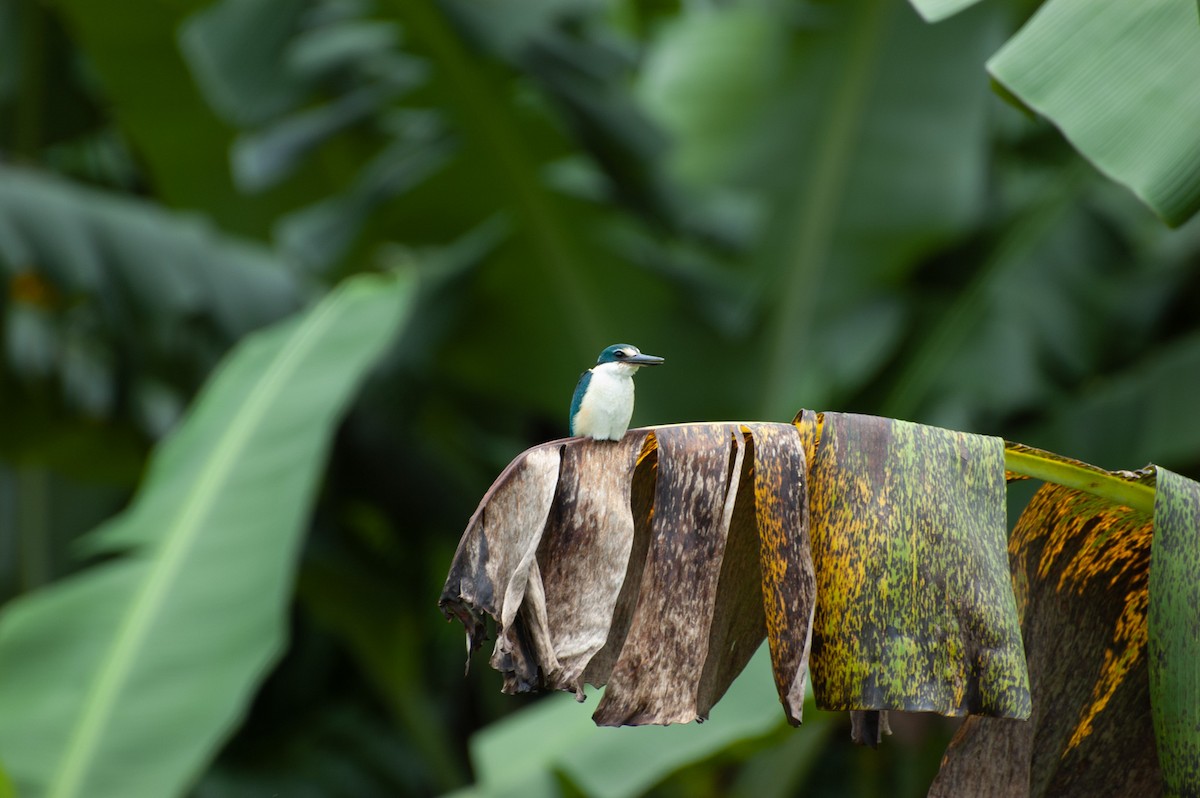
577, 399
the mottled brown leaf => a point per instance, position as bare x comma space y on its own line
656, 678
1080, 567
490, 570
583, 557
788, 582
642, 569
661, 562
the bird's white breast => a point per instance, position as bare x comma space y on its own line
607, 406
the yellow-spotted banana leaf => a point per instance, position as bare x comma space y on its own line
1109, 597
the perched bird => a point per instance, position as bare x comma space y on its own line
603, 401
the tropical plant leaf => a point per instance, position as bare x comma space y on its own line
915, 611
657, 564
1080, 567
1118, 81
788, 584
1174, 632
122, 679
657, 532
122, 303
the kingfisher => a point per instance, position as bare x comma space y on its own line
603, 400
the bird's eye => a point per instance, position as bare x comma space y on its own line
621, 353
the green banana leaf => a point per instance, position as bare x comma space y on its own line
1174, 632
123, 679
1119, 80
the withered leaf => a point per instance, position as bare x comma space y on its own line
656, 677
643, 570
660, 562
572, 502
581, 562
788, 581
490, 570
915, 611
1080, 566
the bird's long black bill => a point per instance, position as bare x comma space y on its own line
645, 360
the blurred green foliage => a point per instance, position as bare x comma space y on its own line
798, 204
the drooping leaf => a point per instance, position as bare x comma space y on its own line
641, 569
1118, 80
789, 585
684, 645
1080, 567
492, 568
122, 679
656, 565
915, 609
1174, 631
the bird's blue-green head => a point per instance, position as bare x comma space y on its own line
627, 354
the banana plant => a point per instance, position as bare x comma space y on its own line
873, 553
1086, 69
124, 678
